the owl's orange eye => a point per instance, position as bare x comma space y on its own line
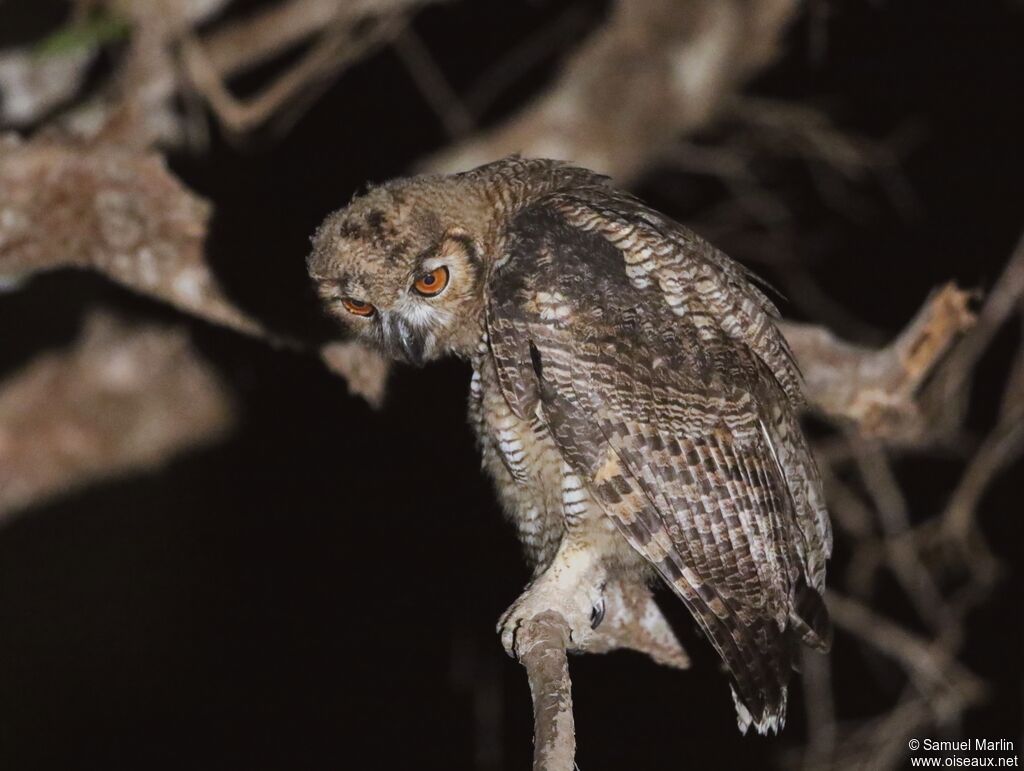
433, 283
358, 307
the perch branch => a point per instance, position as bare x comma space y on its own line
540, 646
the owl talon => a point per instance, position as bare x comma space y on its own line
508, 627
515, 617
579, 603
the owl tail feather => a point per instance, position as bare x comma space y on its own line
772, 720
809, 623
758, 679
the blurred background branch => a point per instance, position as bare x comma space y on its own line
122, 400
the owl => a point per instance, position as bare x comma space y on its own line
634, 402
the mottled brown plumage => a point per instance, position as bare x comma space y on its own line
634, 401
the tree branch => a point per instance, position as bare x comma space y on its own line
876, 388
117, 211
123, 399
540, 646
120, 212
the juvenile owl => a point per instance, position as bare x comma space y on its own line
633, 398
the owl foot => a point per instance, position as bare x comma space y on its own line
572, 587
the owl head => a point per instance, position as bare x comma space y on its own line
403, 267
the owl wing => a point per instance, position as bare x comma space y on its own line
678, 430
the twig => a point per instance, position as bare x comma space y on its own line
655, 70
494, 80
929, 666
1003, 444
1000, 304
339, 46
900, 545
436, 89
252, 40
879, 743
808, 295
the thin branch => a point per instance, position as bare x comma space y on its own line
654, 70
1001, 447
432, 83
338, 47
930, 666
257, 38
494, 80
900, 545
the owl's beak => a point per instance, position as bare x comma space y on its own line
404, 341
413, 349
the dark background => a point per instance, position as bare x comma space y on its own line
320, 590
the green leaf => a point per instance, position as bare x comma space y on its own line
97, 30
